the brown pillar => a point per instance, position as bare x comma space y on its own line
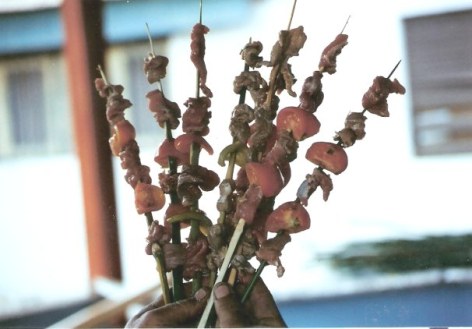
84, 50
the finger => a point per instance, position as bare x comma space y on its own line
184, 312
159, 302
228, 309
263, 307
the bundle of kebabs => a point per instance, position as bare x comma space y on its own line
264, 143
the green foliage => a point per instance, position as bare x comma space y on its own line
434, 252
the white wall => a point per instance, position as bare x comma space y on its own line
385, 192
42, 244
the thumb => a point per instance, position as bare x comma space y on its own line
227, 306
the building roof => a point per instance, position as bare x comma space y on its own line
37, 26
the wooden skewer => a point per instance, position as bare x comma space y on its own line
394, 69
345, 24
224, 267
291, 14
150, 40
200, 19
102, 74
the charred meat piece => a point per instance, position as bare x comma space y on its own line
168, 182
138, 174
243, 266
242, 182
356, 122
129, 155
102, 88
375, 99
259, 96
130, 160
271, 250
192, 179
116, 105
187, 188
197, 55
289, 44
347, 137
155, 67
250, 54
248, 203
317, 179
165, 111
157, 234
225, 202
217, 236
312, 93
285, 80
197, 117
263, 132
292, 41
174, 255
248, 244
196, 258
284, 150
330, 53
250, 80
239, 125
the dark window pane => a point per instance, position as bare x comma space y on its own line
26, 105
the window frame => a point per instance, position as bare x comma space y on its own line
441, 105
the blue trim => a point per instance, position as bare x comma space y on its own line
30, 32
124, 21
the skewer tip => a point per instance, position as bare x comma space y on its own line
150, 39
345, 24
394, 69
201, 12
102, 73
291, 14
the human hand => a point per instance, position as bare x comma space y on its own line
259, 309
184, 313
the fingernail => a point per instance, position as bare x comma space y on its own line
221, 290
200, 294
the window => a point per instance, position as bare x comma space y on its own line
439, 49
34, 106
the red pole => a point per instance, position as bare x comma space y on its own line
84, 50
